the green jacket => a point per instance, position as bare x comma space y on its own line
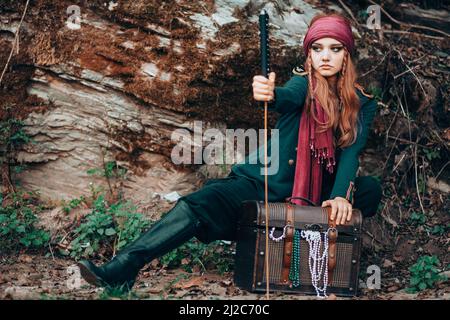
289, 101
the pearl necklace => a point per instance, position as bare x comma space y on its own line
318, 263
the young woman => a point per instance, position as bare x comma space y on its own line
325, 119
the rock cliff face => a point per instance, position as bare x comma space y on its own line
115, 89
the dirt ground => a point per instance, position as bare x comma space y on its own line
37, 277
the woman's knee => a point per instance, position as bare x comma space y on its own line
368, 184
368, 195
375, 186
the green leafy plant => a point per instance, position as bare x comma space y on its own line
18, 224
110, 170
418, 218
129, 224
215, 255
12, 134
407, 201
424, 274
97, 229
422, 185
96, 191
20, 168
376, 92
432, 154
112, 227
440, 229
118, 292
72, 204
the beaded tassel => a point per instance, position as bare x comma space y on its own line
321, 155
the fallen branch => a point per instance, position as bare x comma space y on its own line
372, 236
409, 69
408, 142
415, 176
350, 13
413, 33
402, 73
439, 173
374, 68
409, 25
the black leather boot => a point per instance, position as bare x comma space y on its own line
172, 230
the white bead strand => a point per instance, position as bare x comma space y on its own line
318, 263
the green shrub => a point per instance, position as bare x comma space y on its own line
440, 229
432, 153
17, 224
12, 134
129, 224
111, 226
98, 228
424, 273
418, 218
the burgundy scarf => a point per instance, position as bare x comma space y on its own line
314, 148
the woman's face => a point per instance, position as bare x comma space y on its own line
327, 55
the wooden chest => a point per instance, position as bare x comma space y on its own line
250, 271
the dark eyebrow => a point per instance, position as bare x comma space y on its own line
332, 45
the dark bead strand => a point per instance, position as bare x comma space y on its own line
294, 272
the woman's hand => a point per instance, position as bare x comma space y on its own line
263, 88
340, 206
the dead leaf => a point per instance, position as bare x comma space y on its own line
447, 134
404, 250
196, 268
25, 258
193, 282
226, 283
393, 288
390, 220
153, 290
233, 291
388, 263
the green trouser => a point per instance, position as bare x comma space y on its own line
218, 203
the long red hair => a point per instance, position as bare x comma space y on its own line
344, 122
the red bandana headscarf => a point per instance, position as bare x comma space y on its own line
313, 148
